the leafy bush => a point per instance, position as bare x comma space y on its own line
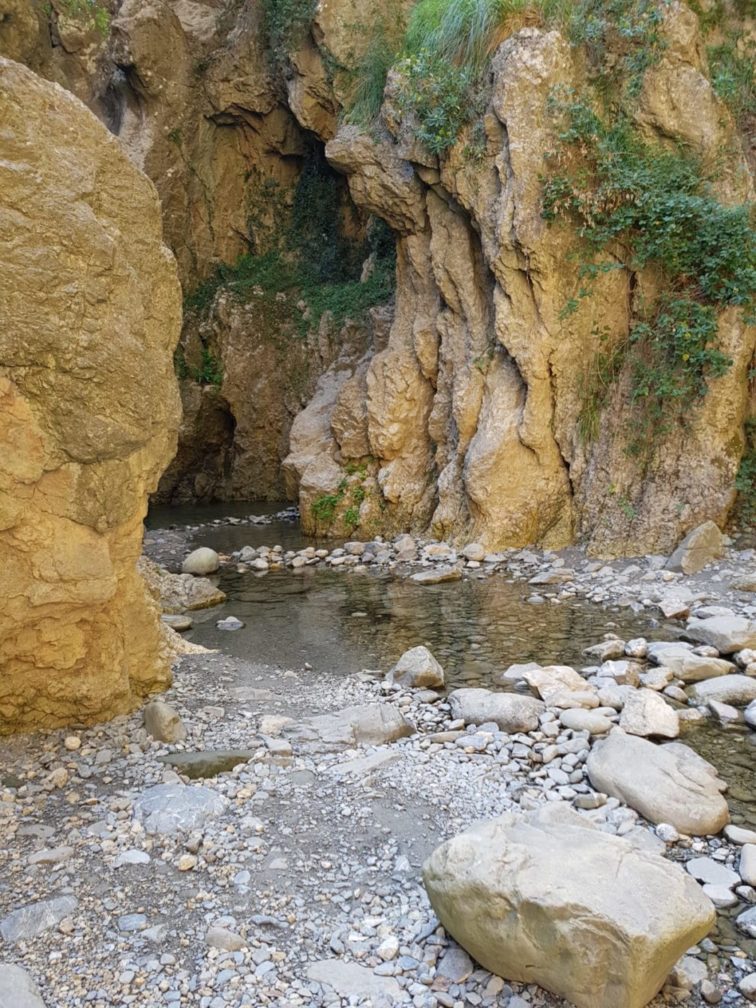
733, 77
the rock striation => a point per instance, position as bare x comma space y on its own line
88, 409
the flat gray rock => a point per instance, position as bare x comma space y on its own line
17, 989
34, 918
172, 808
368, 724
439, 575
349, 979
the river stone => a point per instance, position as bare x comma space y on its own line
417, 668
201, 561
547, 898
34, 918
699, 547
510, 711
666, 784
17, 989
585, 720
555, 683
691, 668
439, 575
171, 808
366, 724
706, 869
726, 633
514, 673
647, 713
747, 922
747, 866
177, 622
163, 722
736, 689
350, 980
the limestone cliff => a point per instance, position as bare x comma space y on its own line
468, 418
89, 318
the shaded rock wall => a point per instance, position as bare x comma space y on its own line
88, 410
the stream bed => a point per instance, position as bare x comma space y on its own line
343, 622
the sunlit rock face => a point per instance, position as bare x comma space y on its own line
89, 317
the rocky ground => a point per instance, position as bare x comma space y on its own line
293, 878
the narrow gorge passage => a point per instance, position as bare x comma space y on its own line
378, 499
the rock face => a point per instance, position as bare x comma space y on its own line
668, 783
88, 409
549, 899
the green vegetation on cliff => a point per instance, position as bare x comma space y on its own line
315, 264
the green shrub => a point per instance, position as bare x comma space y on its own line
731, 65
745, 481
650, 205
93, 10
286, 24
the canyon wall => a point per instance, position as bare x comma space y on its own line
89, 318
459, 409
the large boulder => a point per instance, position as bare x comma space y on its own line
699, 547
726, 633
668, 783
88, 410
201, 561
510, 711
549, 899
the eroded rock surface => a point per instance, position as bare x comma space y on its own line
88, 409
548, 898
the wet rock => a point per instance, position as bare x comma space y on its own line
172, 808
510, 711
699, 547
726, 633
17, 989
177, 622
548, 899
351, 980
439, 575
736, 689
666, 784
646, 713
163, 722
229, 623
178, 592
417, 668
208, 762
31, 920
201, 561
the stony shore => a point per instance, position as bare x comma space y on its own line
296, 880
